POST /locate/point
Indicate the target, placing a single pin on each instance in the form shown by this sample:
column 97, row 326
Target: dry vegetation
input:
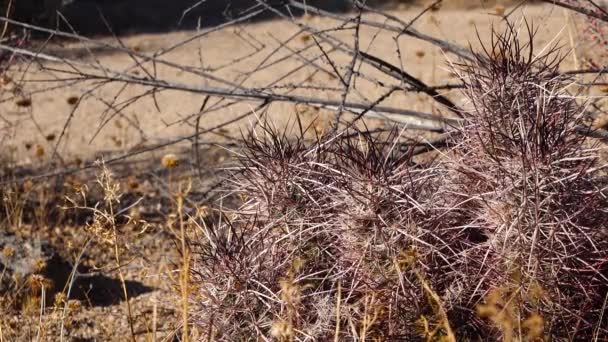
column 319, row 188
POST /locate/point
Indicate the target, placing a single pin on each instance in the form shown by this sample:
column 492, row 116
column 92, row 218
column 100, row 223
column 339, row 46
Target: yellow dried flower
column 37, row 282
column 59, row 300
column 499, row 9
column 534, row 326
column 8, row 251
column 281, row 330
column 170, row 161
column 407, row 259
column 74, row 305
column 39, row 265
column 290, row 292
column 305, row 38
column 39, row 151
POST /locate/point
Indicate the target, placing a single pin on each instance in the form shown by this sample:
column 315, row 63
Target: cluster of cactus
column 502, row 235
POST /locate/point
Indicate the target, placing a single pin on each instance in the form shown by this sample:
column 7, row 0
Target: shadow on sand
column 96, row 17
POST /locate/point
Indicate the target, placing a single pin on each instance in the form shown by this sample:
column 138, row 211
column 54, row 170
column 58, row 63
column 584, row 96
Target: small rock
column 21, row 259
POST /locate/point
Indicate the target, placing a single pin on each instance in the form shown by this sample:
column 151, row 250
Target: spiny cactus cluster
column 501, row 236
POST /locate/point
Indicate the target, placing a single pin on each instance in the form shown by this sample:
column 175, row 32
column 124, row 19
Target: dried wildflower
column 74, row 305
column 420, row 53
column 110, row 188
column 170, row 161
column 39, row 152
column 305, row 38
column 8, row 251
column 60, row 299
column 202, row 212
column 290, row 292
column 534, row 326
column 39, row 265
column 407, row 259
column 499, row 10
column 281, row 330
column 36, row 282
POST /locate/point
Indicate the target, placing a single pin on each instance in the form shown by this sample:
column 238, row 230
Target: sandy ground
column 93, row 130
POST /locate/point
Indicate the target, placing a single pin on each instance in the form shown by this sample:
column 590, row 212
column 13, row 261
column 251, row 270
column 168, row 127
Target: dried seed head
column 39, row 265
column 290, row 292
column 8, row 251
column 305, row 38
column 37, row 282
column 39, row 151
column 74, row 305
column 534, row 325
column 170, row 161
column 59, row 299
column 499, row 9
column 281, row 330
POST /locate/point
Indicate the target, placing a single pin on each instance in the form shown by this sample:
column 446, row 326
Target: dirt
column 150, row 255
